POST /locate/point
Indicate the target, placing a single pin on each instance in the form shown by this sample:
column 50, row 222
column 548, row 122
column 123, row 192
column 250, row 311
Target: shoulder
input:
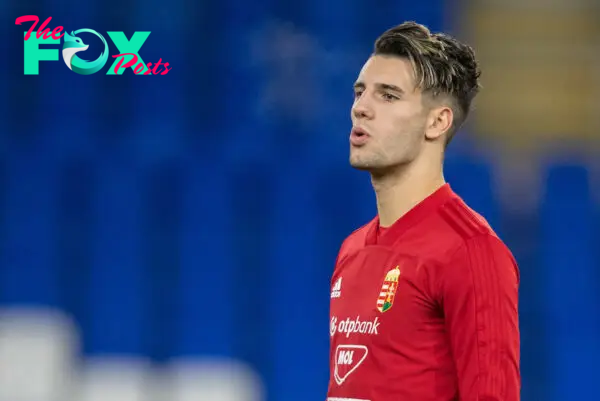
column 484, row 251
column 478, row 251
column 464, row 222
column 447, row 231
column 465, row 240
column 471, row 229
column 456, row 225
column 354, row 241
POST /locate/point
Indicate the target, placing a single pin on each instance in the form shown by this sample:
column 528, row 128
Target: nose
column 361, row 108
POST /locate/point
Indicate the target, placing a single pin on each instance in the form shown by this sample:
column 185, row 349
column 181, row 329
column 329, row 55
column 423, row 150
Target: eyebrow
column 361, row 85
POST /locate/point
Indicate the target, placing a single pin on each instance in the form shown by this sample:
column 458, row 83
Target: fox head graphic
column 73, row 44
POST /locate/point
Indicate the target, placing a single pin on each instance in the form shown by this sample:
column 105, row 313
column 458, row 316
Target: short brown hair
column 443, row 66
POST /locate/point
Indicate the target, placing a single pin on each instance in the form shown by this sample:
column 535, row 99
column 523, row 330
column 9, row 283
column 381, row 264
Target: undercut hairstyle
column 444, row 68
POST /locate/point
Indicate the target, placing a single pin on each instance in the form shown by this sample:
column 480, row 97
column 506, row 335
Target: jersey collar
column 419, row 212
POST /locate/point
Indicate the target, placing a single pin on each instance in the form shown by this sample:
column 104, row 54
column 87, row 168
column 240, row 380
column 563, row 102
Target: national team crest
column 388, row 290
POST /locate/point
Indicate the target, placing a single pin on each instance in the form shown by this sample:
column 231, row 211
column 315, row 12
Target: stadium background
column 172, row 237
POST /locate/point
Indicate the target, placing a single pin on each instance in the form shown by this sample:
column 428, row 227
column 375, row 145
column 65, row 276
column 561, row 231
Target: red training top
column 425, row 310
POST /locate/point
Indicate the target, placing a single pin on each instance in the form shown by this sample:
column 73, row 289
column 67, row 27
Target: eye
column 357, row 93
column 388, row 97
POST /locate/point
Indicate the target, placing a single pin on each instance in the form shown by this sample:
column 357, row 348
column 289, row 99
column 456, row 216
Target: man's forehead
column 387, row 69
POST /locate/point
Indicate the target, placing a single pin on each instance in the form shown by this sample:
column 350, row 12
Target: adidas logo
column 336, row 291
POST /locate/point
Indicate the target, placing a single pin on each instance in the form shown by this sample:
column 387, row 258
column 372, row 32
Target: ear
column 439, row 121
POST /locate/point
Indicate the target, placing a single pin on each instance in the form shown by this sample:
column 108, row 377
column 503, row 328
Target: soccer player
column 423, row 297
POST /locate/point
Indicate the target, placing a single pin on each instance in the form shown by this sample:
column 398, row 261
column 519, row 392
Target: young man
column 424, row 297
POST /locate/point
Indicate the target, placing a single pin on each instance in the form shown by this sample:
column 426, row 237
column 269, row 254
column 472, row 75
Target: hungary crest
column 388, row 290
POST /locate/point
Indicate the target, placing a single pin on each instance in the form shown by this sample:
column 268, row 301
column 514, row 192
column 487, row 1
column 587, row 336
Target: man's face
column 390, row 111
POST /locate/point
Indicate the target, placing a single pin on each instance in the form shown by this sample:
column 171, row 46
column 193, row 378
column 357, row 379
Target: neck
column 401, row 189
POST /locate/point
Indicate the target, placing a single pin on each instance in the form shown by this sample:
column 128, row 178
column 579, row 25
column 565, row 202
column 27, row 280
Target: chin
column 361, row 167
column 361, row 164
column 374, row 167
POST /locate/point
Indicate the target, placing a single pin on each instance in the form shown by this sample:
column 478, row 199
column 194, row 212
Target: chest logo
column 388, row 290
column 336, row 291
column 347, row 359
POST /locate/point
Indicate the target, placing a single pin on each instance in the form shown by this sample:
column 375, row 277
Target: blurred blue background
column 174, row 236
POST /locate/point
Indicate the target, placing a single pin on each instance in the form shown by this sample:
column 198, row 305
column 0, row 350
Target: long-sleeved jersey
column 425, row 310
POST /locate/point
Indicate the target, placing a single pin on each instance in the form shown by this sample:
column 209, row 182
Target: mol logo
column 128, row 56
column 347, row 359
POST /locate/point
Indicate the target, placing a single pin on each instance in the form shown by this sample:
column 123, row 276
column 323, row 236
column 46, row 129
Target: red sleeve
column 480, row 303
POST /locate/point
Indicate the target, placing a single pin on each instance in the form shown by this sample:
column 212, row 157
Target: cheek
column 400, row 127
column 410, row 121
column 404, row 132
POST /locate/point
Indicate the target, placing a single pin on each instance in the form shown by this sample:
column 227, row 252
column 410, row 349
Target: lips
column 358, row 136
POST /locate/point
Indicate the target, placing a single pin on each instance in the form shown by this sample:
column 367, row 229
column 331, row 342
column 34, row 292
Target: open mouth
column 359, row 132
column 358, row 136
